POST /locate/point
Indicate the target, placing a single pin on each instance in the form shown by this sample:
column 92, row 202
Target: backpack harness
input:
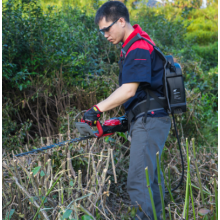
column 174, row 91
column 174, row 101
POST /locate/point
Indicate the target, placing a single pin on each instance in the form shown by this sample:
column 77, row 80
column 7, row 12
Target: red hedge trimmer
column 109, row 127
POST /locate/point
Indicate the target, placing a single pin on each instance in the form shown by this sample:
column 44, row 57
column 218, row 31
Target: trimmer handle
column 100, row 130
column 110, row 126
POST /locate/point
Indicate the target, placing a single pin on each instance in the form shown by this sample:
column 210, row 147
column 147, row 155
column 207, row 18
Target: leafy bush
column 55, row 59
column 202, row 25
column 209, row 53
column 14, row 134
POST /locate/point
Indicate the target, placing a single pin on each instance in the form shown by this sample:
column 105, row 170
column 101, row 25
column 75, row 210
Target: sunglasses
column 107, row 28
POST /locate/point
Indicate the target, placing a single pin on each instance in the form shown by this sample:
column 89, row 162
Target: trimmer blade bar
column 84, row 129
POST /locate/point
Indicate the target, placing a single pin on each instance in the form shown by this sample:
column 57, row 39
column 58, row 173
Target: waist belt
column 145, row 106
column 140, row 108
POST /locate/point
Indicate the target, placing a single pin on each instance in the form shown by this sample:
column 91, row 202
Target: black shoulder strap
column 134, row 39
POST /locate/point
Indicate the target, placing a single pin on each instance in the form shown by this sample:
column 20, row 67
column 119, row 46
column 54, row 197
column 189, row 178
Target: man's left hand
column 92, row 115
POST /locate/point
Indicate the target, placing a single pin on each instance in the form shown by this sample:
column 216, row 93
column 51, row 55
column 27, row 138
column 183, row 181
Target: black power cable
column 177, row 136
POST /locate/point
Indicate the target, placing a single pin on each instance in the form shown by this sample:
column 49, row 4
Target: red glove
column 92, row 115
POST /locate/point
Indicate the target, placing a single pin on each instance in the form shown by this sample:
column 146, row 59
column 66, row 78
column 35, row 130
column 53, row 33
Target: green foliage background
column 52, row 49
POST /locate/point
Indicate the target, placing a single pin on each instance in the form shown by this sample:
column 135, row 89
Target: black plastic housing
column 176, row 89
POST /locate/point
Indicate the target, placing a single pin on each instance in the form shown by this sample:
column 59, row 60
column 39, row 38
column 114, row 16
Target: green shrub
column 13, row 132
column 56, row 56
column 209, row 53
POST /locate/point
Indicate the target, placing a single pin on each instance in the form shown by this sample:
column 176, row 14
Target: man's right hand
column 92, row 115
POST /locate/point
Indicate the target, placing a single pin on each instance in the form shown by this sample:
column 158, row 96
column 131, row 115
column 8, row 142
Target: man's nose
column 106, row 35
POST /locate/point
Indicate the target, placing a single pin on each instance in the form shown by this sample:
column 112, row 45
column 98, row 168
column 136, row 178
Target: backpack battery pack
column 175, row 87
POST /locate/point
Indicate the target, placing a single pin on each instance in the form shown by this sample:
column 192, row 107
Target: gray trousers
column 146, row 140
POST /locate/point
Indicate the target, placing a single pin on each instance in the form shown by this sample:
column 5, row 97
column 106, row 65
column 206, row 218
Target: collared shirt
column 142, row 65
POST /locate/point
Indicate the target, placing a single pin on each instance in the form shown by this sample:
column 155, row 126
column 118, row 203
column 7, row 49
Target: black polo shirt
column 142, row 65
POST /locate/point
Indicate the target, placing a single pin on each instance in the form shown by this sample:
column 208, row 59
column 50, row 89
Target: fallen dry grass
column 52, row 184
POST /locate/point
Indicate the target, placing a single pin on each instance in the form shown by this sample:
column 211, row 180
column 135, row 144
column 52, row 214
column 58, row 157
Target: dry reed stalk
column 95, row 170
column 33, row 183
column 3, row 187
column 22, row 159
column 39, row 192
column 110, row 212
column 36, row 181
column 29, row 196
column 62, row 196
column 103, row 176
column 107, row 179
column 49, row 167
column 63, row 152
column 69, row 163
column 101, row 155
column 51, row 142
column 19, row 178
column 49, row 173
column 13, row 155
column 106, row 217
column 60, row 137
column 101, row 203
column 20, row 150
column 83, row 191
column 90, row 151
column 12, row 197
column 86, row 211
column 108, row 159
column 4, row 164
column 38, row 173
column 99, row 166
column 59, row 192
column 42, row 183
column 6, row 198
column 113, row 166
column 216, row 197
column 106, row 193
column 98, row 184
column 69, row 188
column 41, row 141
column 44, row 178
column 92, row 181
column 26, row 146
column 79, row 188
column 79, row 145
column 45, row 161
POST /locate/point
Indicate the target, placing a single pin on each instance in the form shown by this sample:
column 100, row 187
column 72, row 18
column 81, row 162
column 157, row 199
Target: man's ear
column 122, row 22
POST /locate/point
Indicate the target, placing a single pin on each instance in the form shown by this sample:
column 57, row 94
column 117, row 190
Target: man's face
column 115, row 32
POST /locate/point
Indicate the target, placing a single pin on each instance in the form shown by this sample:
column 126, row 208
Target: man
column 141, row 68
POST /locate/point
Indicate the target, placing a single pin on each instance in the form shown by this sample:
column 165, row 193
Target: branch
column 30, row 197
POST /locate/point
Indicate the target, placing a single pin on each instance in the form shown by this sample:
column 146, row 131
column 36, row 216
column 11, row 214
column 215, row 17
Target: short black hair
column 112, row 10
